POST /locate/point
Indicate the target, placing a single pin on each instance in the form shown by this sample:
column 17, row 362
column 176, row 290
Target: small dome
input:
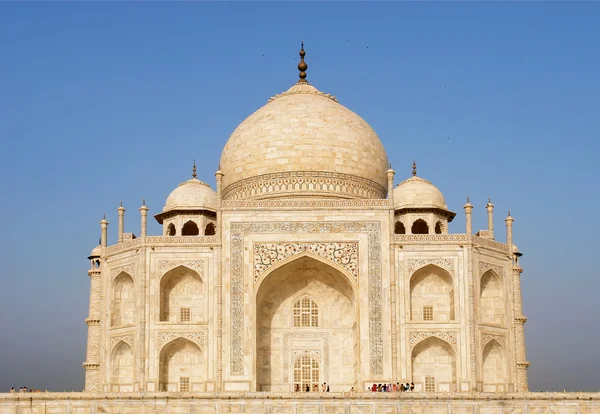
column 192, row 195
column 418, row 193
column 96, row 252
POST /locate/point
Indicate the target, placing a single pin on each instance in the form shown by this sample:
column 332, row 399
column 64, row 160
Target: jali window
column 306, row 313
column 429, row 384
column 306, row 373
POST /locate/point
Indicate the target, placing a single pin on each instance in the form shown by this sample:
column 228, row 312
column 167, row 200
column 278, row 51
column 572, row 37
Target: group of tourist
column 23, row 389
column 315, row 388
column 397, row 387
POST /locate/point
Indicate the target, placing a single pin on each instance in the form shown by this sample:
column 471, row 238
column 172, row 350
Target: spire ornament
column 414, row 172
column 194, row 170
column 302, row 66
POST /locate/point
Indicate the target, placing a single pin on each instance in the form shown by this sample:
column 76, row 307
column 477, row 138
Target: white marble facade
column 305, row 266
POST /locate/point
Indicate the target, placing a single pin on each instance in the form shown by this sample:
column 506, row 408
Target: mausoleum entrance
column 306, row 327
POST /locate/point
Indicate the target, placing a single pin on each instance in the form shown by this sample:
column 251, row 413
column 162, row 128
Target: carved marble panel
column 486, row 338
column 166, row 265
column 414, row 337
column 114, row 340
column 288, row 337
column 129, row 269
column 196, row 337
column 416, row 264
column 484, row 267
column 342, row 254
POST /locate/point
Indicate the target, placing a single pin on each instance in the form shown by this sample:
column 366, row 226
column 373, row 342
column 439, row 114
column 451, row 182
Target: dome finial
column 194, row 170
column 302, row 66
column 414, row 168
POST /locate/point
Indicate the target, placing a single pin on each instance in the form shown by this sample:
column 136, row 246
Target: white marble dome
column 304, row 143
column 192, row 195
column 417, row 192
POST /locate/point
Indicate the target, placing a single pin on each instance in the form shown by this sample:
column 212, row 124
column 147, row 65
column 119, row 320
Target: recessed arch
column 306, row 373
column 190, row 228
column 305, row 312
column 419, row 226
column 494, row 367
column 433, row 364
column 210, row 230
column 170, row 230
column 181, row 296
column 122, row 367
column 122, row 307
column 491, row 299
column 439, row 227
column 182, row 366
column 432, row 294
column 305, row 276
column 399, row 228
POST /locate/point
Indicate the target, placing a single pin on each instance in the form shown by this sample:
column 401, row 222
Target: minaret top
column 414, row 172
column 194, row 170
column 302, row 66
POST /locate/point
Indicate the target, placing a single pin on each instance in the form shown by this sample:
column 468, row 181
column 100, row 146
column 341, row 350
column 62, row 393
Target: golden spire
column 194, row 170
column 414, row 168
column 302, row 66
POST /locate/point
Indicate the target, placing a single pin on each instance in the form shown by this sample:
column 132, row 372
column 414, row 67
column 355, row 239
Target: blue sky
column 102, row 102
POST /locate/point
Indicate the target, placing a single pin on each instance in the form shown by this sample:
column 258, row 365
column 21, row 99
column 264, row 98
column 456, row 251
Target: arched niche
column 420, row 226
column 306, row 373
column 332, row 294
column 122, row 306
column 170, row 230
column 494, row 367
column 181, row 296
column 190, row 229
column 439, row 227
column 181, row 367
column 433, row 365
column 209, row 230
column 399, row 228
column 122, row 368
column 491, row 299
column 432, row 295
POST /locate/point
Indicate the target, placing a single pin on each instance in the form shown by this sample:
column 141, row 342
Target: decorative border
column 114, row 340
column 129, row 269
column 315, row 353
column 166, row 265
column 373, row 230
column 487, row 338
column 416, row 337
column 268, row 254
column 299, row 183
column 299, row 203
column 166, row 337
column 416, row 264
column 430, row 238
column 288, row 336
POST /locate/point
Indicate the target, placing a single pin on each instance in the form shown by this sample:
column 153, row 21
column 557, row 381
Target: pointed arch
column 432, row 294
column 182, row 366
column 122, row 307
column 122, row 367
column 433, row 364
column 190, row 228
column 306, row 372
column 492, row 305
column 494, row 367
column 181, row 296
column 399, row 228
column 419, row 226
column 305, row 312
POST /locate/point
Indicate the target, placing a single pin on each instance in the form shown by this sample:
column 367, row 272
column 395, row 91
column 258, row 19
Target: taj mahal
column 312, row 262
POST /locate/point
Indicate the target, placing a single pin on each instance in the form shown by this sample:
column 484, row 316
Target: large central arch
column 306, row 307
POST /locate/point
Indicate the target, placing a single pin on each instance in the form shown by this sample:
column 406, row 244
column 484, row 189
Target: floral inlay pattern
column 343, row 254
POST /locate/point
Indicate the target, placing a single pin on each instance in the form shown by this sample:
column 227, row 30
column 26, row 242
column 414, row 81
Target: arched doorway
column 122, row 368
column 182, row 367
column 433, row 365
column 494, row 368
column 431, row 295
column 181, row 296
column 306, row 308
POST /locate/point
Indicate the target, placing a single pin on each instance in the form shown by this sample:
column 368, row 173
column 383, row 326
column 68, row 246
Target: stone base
column 318, row 403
